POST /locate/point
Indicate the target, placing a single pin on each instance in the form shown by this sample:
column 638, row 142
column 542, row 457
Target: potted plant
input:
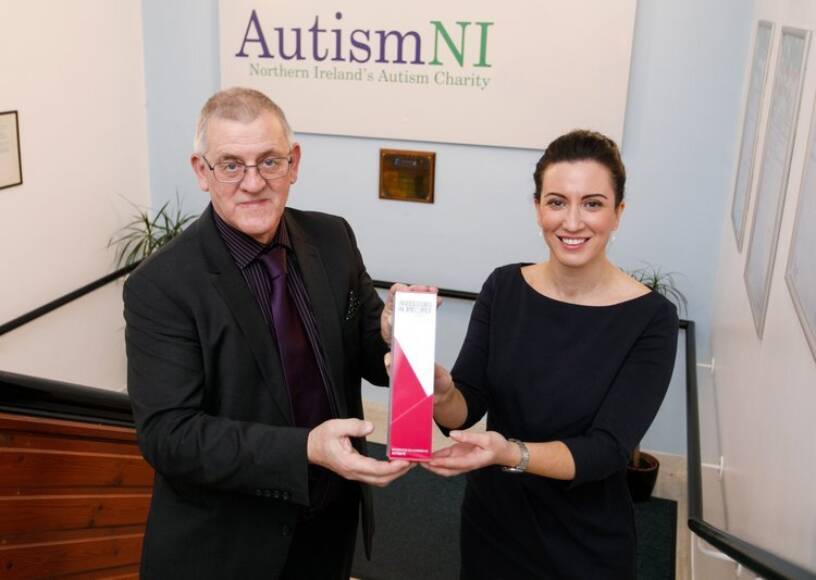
column 642, row 469
column 145, row 234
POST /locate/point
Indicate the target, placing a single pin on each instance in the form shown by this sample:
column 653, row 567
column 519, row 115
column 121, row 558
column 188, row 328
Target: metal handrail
column 62, row 300
column 444, row 292
column 761, row 561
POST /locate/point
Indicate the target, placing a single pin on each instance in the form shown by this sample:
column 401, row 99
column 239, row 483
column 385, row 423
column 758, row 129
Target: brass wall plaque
column 407, row 175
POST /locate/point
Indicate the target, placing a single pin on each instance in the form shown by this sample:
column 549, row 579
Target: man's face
column 254, row 205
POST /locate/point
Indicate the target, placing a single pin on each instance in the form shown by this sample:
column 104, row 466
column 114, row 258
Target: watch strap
column 521, row 467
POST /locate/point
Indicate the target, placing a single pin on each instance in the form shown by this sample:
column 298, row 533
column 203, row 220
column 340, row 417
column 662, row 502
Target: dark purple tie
column 310, row 402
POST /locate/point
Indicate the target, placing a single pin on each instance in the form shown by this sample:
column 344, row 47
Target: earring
column 612, row 238
column 540, row 234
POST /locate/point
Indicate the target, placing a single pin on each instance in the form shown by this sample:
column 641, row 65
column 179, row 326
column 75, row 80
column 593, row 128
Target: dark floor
column 432, row 553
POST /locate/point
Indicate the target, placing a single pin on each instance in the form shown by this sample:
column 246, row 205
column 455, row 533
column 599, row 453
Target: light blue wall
column 680, row 140
column 679, row 145
column 181, row 72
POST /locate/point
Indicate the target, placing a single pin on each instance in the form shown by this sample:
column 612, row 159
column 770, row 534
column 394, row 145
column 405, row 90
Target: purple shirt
column 245, row 252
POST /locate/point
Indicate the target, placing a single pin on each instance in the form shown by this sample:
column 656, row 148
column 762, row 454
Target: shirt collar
column 243, row 248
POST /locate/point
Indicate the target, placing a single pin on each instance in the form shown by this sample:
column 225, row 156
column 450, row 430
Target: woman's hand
column 387, row 316
column 443, row 385
column 473, row 451
column 443, row 382
column 449, row 407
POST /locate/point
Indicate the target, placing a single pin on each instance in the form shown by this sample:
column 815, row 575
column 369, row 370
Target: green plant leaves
column 661, row 282
column 144, row 235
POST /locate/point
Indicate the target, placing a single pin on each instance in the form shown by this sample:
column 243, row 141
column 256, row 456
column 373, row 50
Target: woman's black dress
column 592, row 377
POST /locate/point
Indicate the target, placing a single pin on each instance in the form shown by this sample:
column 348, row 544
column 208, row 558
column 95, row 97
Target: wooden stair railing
column 74, row 498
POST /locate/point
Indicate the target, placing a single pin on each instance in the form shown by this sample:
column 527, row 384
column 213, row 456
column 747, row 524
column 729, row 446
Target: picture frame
column 750, row 128
column 800, row 273
column 11, row 166
column 775, row 170
column 407, row 175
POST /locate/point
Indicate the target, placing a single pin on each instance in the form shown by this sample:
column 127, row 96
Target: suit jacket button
column 276, row 494
column 286, row 496
column 286, row 530
column 267, row 493
column 258, row 492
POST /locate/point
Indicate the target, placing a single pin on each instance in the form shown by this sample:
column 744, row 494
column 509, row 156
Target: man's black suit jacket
column 211, row 408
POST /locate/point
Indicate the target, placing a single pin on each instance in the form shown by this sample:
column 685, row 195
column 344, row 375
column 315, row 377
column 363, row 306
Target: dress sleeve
column 470, row 371
column 631, row 403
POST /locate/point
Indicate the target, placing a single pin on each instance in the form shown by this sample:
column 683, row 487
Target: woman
column 570, row 358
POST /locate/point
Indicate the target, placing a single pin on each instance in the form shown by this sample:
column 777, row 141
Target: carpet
column 417, row 530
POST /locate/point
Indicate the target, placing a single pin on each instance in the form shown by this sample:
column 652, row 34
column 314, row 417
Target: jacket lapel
column 230, row 284
column 324, row 307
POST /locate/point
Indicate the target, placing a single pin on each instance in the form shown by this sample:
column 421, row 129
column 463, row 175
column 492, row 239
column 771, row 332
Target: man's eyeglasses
column 233, row 171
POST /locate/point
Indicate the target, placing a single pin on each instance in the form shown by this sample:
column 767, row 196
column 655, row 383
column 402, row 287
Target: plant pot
column 642, row 477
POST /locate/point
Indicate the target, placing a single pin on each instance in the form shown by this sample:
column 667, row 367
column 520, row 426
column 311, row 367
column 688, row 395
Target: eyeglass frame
column 288, row 158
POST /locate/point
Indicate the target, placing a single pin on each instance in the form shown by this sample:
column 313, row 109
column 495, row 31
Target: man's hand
column 387, row 316
column 329, row 445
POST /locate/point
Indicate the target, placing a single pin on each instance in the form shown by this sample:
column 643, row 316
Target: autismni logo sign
column 460, row 45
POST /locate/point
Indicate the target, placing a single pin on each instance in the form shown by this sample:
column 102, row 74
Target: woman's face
column 576, row 211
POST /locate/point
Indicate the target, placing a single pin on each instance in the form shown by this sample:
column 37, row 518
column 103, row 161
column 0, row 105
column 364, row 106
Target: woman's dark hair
column 583, row 145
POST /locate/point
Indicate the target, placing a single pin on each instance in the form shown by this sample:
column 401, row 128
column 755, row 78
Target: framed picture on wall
column 775, row 169
column 750, row 128
column 800, row 274
column 11, row 167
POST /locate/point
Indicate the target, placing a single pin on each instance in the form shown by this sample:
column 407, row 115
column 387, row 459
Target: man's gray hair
column 237, row 104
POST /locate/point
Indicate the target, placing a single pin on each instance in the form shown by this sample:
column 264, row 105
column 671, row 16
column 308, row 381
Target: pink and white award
column 412, row 372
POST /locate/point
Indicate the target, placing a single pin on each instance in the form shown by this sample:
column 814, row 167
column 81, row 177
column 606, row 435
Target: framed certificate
column 774, row 170
column 11, row 167
column 750, row 129
column 801, row 271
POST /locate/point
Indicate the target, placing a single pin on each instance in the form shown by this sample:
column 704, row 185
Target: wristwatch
column 525, row 458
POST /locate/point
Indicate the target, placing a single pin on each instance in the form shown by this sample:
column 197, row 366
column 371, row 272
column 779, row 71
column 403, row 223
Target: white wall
column 82, row 342
column 74, row 71
column 766, row 389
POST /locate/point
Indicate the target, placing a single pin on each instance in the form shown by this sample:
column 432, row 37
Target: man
column 246, row 340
